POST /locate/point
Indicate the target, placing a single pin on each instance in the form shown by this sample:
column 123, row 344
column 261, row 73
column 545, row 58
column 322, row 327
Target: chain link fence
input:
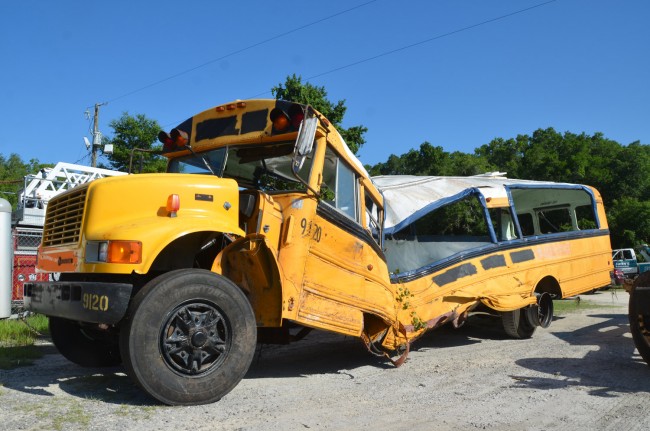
column 25, row 245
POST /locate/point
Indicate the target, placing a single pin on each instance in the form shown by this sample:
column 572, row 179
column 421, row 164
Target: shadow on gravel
column 612, row 368
column 109, row 385
column 318, row 353
column 323, row 352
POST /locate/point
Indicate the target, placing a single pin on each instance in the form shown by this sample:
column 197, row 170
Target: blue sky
column 455, row 73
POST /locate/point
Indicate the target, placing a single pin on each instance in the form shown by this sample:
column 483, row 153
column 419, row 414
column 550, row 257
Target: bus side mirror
column 304, row 142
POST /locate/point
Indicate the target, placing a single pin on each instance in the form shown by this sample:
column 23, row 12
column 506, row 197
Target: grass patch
column 567, row 306
column 16, row 332
column 17, row 338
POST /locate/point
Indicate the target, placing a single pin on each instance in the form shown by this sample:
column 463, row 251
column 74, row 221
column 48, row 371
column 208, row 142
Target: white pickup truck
column 626, row 260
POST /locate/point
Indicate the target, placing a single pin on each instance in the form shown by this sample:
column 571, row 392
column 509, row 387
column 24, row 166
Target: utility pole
column 96, row 135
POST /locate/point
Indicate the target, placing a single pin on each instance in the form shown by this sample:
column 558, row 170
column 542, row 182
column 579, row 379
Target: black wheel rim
column 196, row 338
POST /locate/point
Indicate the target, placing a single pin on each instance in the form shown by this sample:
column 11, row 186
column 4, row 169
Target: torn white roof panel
column 409, row 197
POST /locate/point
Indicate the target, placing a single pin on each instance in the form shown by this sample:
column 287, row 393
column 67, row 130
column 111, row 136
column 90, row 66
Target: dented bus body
column 266, row 226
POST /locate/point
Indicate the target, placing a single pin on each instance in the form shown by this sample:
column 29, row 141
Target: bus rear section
column 460, row 244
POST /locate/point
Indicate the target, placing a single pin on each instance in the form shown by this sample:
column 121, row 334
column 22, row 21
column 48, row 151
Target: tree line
column 620, row 172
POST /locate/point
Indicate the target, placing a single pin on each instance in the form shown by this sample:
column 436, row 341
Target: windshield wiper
column 205, row 162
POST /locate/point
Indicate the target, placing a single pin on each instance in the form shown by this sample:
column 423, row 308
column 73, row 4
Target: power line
column 440, row 36
column 278, row 36
column 403, row 48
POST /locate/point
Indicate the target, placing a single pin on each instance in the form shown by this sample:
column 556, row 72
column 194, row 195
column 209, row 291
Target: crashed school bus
column 265, row 226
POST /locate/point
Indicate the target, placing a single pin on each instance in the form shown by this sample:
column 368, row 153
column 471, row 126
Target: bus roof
column 409, row 197
column 249, row 122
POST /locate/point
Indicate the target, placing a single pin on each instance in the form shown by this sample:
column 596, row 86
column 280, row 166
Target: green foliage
column 12, row 173
column 620, row 173
column 135, row 132
column 295, row 91
column 629, row 220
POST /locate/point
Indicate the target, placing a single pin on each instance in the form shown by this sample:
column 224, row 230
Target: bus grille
column 63, row 218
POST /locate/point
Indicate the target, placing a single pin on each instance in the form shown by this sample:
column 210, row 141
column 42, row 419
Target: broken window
column 585, row 217
column 373, row 218
column 441, row 233
column 503, row 224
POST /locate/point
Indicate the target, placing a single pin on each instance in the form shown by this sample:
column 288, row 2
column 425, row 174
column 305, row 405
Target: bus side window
column 373, row 218
column 502, row 223
column 340, row 185
column 526, row 224
column 585, row 217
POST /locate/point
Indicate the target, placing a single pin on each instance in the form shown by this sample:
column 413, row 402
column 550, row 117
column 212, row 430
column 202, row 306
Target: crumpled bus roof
column 409, row 197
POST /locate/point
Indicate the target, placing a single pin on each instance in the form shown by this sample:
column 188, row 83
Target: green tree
column 629, row 222
column 618, row 172
column 432, row 160
column 295, row 91
column 131, row 133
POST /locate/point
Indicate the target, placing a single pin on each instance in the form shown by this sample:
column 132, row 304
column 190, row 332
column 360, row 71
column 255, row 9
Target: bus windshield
column 263, row 167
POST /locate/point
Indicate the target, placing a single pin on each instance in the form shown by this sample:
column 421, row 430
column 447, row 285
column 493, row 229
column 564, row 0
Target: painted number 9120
column 92, row 301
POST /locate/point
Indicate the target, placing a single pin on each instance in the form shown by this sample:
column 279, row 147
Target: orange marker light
column 173, row 204
column 124, row 252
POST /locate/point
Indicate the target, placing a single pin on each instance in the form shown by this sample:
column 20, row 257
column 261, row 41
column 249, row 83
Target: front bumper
column 92, row 302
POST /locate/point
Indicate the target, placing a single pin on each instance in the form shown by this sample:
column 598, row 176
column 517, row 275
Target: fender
column 134, row 208
column 251, row 263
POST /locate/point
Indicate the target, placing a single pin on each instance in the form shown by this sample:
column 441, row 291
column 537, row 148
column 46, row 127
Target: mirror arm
column 299, row 178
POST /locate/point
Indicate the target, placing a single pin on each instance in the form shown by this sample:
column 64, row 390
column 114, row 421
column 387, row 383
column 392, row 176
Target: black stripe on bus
column 522, row 256
column 454, row 274
column 215, row 127
column 254, row 121
column 496, row 261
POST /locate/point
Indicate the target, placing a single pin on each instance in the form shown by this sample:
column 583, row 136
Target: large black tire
column 83, row 345
column 189, row 337
column 640, row 318
column 516, row 324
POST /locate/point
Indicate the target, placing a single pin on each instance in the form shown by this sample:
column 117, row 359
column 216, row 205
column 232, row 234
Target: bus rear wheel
column 516, row 324
column 189, row 338
column 83, row 345
column 639, row 315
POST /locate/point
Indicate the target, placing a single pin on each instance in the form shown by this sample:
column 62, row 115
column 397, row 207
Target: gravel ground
column 581, row 373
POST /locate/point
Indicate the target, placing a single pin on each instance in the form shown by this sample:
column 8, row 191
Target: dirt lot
column 581, row 373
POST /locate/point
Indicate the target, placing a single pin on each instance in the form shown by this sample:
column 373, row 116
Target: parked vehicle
column 626, row 260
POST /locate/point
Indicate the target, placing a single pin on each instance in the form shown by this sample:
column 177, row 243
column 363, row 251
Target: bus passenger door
column 344, row 262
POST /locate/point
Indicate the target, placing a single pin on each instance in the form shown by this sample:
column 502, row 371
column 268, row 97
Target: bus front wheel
column 189, row 337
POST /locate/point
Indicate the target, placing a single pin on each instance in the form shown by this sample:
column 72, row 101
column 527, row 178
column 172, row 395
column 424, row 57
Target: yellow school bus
column 265, row 226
